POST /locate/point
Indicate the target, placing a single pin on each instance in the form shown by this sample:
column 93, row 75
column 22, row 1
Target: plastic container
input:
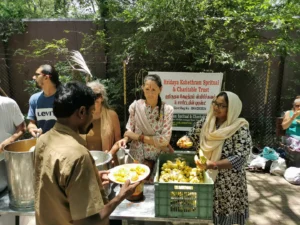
column 183, row 200
column 138, row 193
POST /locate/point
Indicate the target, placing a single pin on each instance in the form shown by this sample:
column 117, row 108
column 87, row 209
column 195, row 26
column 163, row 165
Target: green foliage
column 199, row 33
column 41, row 49
column 93, row 43
column 114, row 89
column 236, row 36
column 57, row 8
column 31, row 87
column 10, row 20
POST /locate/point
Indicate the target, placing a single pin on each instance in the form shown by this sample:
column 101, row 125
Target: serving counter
column 126, row 211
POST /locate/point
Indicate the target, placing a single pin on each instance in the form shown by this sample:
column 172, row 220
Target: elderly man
column 68, row 188
column 12, row 125
column 40, row 111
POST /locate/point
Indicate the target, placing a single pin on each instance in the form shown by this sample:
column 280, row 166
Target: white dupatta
column 212, row 139
column 141, row 121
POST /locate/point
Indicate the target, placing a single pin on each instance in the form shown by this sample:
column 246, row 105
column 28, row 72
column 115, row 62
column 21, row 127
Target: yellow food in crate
column 179, row 171
column 133, row 174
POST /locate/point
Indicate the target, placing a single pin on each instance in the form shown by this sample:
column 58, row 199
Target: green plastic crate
column 183, row 200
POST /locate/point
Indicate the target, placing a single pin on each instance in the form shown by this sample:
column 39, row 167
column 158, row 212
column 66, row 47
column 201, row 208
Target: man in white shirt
column 12, row 125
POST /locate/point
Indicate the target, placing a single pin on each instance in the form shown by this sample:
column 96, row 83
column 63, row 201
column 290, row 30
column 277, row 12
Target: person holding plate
column 225, row 141
column 149, row 127
column 68, row 186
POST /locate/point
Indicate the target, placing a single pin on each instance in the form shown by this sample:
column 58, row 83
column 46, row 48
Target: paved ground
column 273, row 201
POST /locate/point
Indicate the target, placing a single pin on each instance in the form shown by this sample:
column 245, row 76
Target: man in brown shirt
column 68, row 189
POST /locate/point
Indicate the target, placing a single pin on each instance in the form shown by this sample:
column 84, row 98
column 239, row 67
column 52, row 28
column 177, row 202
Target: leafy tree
column 10, row 23
column 207, row 35
column 211, row 30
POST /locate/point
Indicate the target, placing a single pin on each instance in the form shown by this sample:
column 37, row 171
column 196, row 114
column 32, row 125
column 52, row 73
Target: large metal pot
column 3, row 173
column 102, row 161
column 20, row 171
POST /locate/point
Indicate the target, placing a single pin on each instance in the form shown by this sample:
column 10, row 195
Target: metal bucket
column 20, row 172
column 102, row 161
column 3, row 173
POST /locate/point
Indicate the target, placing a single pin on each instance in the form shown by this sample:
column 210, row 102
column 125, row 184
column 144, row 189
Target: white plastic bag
column 292, row 175
column 251, row 157
column 278, row 167
column 258, row 162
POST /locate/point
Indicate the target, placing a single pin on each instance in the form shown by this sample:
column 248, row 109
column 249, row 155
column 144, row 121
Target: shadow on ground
column 273, row 201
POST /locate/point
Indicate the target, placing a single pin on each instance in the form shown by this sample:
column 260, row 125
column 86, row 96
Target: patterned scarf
column 138, row 110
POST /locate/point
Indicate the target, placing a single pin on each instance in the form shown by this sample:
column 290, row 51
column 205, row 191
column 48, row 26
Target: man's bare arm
column 20, row 129
column 100, row 218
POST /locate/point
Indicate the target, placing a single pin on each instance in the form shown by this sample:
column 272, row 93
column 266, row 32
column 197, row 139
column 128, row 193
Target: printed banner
column 190, row 94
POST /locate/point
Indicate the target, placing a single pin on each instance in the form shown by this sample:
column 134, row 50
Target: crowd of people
column 72, row 118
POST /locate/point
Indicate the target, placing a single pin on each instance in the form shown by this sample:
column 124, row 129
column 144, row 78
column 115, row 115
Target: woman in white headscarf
column 224, row 139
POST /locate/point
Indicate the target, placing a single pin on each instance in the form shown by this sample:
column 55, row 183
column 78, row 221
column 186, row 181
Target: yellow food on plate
column 121, row 179
column 133, row 173
column 134, row 177
column 139, row 170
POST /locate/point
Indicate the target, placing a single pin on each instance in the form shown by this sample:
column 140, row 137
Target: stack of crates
column 183, row 200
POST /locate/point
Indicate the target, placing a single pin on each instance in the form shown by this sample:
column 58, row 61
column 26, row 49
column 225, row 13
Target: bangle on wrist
column 141, row 138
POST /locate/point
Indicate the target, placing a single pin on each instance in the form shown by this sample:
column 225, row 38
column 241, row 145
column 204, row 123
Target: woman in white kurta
column 150, row 124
